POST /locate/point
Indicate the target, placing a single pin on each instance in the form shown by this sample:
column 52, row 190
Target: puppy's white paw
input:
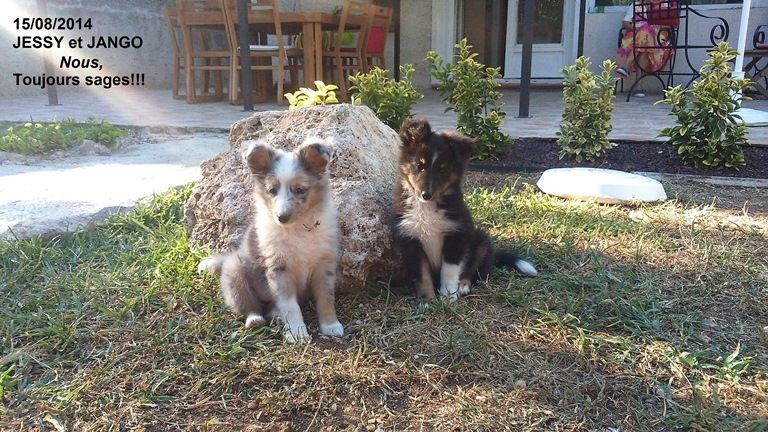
column 295, row 335
column 464, row 288
column 332, row 329
column 206, row 265
column 449, row 291
column 254, row 320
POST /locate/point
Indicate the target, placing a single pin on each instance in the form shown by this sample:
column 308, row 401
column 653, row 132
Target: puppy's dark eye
column 272, row 191
column 420, row 165
column 299, row 190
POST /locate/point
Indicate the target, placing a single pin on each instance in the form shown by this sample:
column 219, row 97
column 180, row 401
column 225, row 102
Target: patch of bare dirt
column 528, row 157
column 537, row 154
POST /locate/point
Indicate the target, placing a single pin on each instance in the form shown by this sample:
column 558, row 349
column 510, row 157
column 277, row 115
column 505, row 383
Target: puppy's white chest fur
column 425, row 222
column 303, row 244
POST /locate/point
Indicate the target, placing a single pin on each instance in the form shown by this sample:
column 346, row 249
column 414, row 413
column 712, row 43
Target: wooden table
column 754, row 72
column 310, row 24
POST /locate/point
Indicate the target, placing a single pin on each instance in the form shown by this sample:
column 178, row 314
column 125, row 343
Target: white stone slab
column 600, row 185
column 753, row 117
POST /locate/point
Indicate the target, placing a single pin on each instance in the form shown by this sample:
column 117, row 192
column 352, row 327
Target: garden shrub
column 102, row 132
column 470, row 89
column 391, row 99
column 38, row 138
column 306, row 97
column 587, row 110
column 708, row 131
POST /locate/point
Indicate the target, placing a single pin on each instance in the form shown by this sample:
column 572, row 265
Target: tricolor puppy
column 292, row 246
column 441, row 249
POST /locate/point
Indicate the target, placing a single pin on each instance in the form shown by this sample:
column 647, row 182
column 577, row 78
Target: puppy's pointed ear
column 414, row 131
column 258, row 156
column 314, row 155
column 462, row 145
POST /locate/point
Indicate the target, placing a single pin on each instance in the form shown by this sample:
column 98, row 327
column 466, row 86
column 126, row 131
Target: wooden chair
column 174, row 31
column 347, row 59
column 380, row 20
column 172, row 23
column 207, row 18
column 272, row 45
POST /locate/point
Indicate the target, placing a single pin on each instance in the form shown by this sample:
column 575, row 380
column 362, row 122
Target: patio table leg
column 243, row 38
column 312, row 40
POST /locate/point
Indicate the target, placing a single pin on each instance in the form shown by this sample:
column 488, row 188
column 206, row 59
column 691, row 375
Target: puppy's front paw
column 254, row 320
column 295, row 335
column 206, row 265
column 449, row 291
column 464, row 287
column 332, row 329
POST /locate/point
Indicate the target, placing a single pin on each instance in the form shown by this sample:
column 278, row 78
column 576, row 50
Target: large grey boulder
column 362, row 169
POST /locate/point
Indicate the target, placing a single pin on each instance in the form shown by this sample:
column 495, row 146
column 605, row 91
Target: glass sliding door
column 554, row 37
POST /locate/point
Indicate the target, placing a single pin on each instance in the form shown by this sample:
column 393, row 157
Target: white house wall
column 601, row 36
column 109, row 17
column 144, row 17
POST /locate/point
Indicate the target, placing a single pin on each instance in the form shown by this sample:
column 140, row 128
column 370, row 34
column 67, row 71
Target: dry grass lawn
column 644, row 318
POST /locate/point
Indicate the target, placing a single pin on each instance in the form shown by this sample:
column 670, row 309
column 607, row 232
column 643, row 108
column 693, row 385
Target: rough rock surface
column 362, row 170
column 88, row 147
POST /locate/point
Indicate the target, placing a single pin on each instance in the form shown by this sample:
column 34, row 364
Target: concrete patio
column 53, row 195
column 640, row 119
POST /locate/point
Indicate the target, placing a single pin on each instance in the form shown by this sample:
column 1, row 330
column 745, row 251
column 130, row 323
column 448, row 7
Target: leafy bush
column 469, row 88
column 305, row 97
column 391, row 100
column 102, row 132
column 708, row 131
column 587, row 110
column 38, row 138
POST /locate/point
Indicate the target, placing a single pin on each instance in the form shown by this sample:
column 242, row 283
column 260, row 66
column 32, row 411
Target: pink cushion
column 376, row 41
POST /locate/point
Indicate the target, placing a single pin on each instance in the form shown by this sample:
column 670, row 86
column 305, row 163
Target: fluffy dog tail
column 510, row 260
column 211, row 265
column 243, row 287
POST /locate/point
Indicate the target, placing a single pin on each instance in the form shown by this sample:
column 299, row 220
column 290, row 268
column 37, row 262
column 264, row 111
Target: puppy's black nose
column 283, row 218
column 426, row 196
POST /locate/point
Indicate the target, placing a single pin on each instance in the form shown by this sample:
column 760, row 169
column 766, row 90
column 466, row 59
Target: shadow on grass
column 633, row 325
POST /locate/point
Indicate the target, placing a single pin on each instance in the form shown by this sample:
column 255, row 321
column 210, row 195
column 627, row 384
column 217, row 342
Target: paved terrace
column 63, row 194
column 639, row 119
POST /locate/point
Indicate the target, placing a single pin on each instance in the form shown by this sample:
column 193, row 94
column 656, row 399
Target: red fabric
column 663, row 14
column 645, row 41
column 376, row 41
